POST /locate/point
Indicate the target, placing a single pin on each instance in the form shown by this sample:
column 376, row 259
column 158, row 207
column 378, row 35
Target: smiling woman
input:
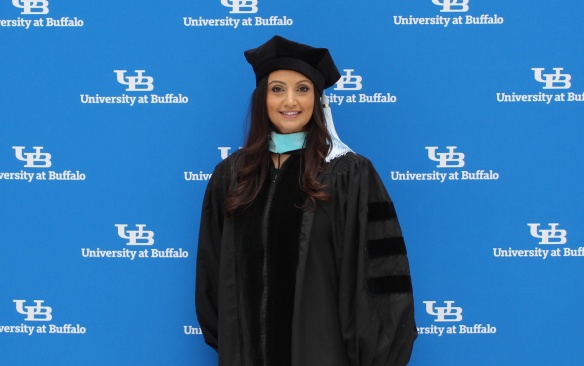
column 301, row 260
column 290, row 101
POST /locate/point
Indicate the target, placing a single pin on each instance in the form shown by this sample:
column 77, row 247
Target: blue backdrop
column 114, row 115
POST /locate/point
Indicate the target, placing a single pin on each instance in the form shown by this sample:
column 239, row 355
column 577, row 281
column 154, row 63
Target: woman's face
column 290, row 100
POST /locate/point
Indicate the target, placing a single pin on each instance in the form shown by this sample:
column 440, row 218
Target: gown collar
column 284, row 143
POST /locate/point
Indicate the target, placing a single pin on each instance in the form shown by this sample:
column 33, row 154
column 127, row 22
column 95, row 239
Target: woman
column 301, row 261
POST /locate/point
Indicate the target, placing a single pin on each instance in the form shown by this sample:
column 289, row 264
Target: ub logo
column 446, row 313
column 551, row 236
column 556, row 80
column 32, row 6
column 224, row 152
column 136, row 237
column 349, row 81
column 135, row 83
column 448, row 159
column 37, row 313
column 35, row 159
column 452, row 6
column 241, row 6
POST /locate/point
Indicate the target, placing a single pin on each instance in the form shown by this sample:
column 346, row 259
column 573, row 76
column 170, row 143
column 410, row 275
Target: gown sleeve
column 376, row 306
column 209, row 254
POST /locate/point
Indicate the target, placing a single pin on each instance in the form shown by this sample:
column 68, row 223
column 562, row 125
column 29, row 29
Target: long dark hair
column 251, row 168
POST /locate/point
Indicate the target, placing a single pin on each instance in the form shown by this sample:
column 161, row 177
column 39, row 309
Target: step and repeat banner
column 114, row 114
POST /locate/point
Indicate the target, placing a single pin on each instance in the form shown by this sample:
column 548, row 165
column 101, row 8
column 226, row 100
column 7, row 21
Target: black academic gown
column 343, row 297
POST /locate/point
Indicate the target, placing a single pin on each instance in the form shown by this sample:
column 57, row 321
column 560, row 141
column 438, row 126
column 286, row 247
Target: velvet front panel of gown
column 267, row 235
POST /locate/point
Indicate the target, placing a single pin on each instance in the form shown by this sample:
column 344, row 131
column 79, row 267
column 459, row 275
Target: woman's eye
column 277, row 89
column 303, row 88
